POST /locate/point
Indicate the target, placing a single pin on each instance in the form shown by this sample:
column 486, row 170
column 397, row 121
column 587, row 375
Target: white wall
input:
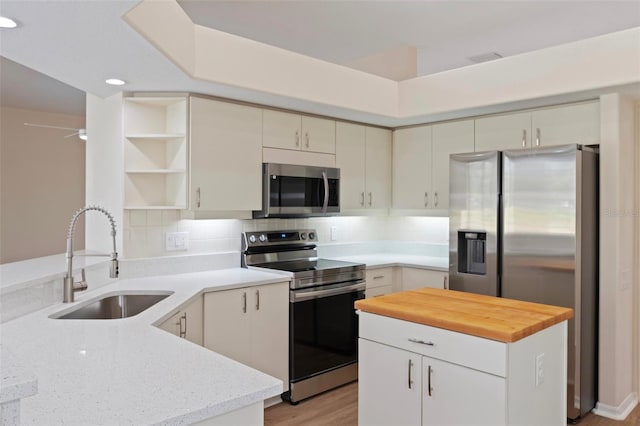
column 617, row 177
column 105, row 170
column 42, row 183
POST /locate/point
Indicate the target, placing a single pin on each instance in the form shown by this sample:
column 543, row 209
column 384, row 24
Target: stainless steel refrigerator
column 524, row 225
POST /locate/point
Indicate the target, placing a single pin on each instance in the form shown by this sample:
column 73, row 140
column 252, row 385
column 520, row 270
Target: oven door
column 323, row 329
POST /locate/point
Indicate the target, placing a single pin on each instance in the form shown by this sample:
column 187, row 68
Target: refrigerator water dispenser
column 472, row 252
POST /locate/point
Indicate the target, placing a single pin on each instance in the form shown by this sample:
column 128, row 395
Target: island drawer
column 470, row 351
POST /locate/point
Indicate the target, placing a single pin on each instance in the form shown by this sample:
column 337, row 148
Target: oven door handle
column 325, row 204
column 301, row 296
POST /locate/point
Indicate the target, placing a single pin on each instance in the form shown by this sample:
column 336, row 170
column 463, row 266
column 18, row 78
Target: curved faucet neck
column 113, row 271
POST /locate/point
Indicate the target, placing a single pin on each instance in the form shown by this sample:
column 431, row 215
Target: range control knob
column 262, row 238
column 312, row 235
column 252, row 238
column 303, row 236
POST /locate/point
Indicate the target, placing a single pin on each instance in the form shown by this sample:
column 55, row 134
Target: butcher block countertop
column 495, row 318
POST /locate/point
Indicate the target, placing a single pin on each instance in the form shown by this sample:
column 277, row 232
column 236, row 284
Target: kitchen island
column 442, row 357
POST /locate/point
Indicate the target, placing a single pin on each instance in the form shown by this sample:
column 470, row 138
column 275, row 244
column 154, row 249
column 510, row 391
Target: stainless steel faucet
column 70, row 287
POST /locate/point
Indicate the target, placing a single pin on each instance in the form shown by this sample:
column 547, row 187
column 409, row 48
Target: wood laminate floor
column 340, row 407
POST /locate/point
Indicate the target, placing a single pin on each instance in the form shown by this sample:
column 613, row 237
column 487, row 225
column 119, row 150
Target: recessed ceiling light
column 115, row 81
column 7, row 22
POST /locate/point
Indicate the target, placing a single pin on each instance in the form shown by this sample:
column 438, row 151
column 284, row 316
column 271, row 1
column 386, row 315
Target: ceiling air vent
column 485, row 57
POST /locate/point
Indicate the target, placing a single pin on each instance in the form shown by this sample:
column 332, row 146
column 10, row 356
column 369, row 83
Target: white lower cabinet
column 187, row 323
column 251, row 326
column 388, row 377
column 424, row 390
column 379, row 282
column 413, row 278
column 456, row 395
column 414, row 374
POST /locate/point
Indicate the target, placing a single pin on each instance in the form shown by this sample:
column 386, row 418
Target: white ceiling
column 446, row 33
column 81, row 43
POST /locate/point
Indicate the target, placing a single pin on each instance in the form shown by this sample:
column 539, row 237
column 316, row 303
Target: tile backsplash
column 145, row 231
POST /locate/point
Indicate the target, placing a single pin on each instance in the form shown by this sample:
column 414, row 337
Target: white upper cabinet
column 577, row 123
column 284, row 130
column 378, row 168
column 447, row 139
column 363, row 155
column 421, row 163
column 155, row 152
column 510, row 131
column 318, row 135
column 226, row 156
column 411, row 167
column 350, row 159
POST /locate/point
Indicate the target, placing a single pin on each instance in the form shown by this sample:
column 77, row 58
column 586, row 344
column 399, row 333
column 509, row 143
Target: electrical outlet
column 540, row 369
column 334, row 233
column 177, row 241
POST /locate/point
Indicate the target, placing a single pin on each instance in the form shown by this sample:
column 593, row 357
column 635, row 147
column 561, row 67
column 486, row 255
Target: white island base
column 415, row 374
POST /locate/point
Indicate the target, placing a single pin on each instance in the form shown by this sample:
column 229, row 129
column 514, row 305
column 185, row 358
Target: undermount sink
column 115, row 306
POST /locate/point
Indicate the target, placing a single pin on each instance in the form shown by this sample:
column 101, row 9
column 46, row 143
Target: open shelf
column 155, row 152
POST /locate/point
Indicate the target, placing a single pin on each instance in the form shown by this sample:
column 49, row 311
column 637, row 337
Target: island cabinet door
column 457, row 396
column 389, row 385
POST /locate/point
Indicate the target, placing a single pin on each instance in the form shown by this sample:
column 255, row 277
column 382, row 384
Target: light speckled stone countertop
column 382, row 260
column 16, row 381
column 127, row 371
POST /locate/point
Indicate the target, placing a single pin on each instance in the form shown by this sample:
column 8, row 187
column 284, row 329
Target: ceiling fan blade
column 51, row 127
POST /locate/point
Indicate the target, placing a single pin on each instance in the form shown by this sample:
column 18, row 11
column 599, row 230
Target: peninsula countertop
column 127, row 371
column 494, row 318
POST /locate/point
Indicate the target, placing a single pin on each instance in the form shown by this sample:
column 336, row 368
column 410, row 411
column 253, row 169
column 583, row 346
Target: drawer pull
column 183, row 334
column 422, row 342
column 377, row 277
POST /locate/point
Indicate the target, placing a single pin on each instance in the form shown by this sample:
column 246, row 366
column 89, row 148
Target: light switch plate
column 176, row 241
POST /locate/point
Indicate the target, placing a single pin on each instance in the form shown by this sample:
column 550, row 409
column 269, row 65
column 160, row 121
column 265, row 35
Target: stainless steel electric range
column 323, row 325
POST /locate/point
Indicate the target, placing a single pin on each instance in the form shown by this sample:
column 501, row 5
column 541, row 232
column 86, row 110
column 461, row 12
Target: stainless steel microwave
column 299, row 191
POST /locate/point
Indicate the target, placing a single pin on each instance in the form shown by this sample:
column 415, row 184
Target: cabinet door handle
column 183, row 332
column 426, row 199
column 370, row 199
column 429, row 388
column 244, row 302
column 435, row 201
column 257, row 300
column 409, row 381
column 538, row 136
column 445, row 283
column 198, row 197
column 524, row 138
column 422, row 342
column 307, row 136
column 362, row 198
column 297, row 137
